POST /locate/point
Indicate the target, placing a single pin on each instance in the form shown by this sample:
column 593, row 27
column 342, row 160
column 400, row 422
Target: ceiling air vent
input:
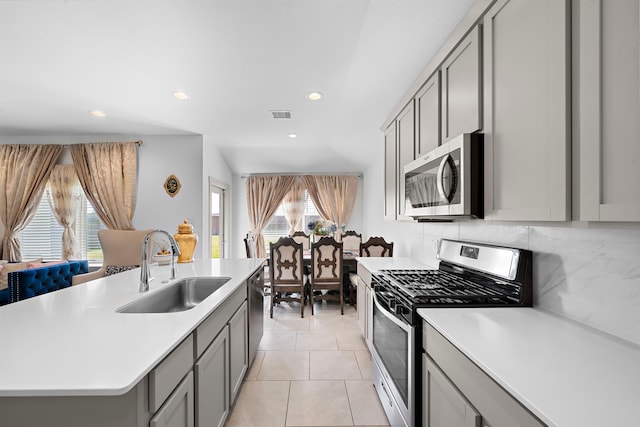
column 281, row 114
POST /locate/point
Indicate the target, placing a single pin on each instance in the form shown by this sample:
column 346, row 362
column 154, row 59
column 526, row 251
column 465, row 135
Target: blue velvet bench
column 36, row 281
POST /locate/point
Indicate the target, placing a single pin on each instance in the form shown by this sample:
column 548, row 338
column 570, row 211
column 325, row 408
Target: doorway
column 217, row 214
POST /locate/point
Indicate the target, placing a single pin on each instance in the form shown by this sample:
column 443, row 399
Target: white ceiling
column 236, row 59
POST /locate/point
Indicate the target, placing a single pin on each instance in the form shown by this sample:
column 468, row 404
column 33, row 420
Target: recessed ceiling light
column 180, row 95
column 293, row 135
column 97, row 113
column 314, row 96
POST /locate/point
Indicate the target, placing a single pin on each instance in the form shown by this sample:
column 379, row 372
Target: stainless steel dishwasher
column 255, row 299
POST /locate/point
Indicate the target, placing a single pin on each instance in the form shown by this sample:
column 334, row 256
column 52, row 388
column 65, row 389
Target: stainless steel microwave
column 446, row 183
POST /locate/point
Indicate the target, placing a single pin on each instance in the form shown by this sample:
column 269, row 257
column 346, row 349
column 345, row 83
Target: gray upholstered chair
column 121, row 250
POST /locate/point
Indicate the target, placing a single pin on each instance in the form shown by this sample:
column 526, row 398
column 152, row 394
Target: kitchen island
column 70, row 352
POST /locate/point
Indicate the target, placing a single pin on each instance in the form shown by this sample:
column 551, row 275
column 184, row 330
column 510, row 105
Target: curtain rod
column 138, row 143
column 358, row 174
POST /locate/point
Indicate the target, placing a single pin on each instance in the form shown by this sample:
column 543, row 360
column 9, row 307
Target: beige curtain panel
column 264, row 195
column 24, row 171
column 108, row 172
column 333, row 195
column 64, row 194
column 293, row 204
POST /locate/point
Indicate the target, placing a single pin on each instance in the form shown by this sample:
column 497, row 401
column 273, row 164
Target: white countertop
column 72, row 342
column 373, row 264
column 565, row 373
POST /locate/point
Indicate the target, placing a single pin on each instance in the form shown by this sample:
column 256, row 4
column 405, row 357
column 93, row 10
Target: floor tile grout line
column 346, row 391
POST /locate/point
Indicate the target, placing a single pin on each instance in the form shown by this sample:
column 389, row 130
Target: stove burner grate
column 442, row 287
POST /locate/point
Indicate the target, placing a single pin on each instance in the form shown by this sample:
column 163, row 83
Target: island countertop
column 72, row 342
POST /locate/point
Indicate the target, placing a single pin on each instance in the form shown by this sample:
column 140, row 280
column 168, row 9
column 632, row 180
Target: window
column 42, row 238
column 278, row 226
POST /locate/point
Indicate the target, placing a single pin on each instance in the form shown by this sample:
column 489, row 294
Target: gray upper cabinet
column 461, row 88
column 399, row 146
column 390, row 173
column 406, row 143
column 427, row 105
column 608, row 105
column 527, row 110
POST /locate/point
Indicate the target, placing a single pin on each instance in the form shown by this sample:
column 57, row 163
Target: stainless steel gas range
column 469, row 275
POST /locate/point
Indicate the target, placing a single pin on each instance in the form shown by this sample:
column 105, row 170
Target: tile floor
column 314, row 371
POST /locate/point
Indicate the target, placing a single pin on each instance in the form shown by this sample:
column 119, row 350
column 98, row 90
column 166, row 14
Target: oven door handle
column 403, row 325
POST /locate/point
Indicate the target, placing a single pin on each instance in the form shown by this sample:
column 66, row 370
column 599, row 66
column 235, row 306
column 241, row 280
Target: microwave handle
column 440, row 178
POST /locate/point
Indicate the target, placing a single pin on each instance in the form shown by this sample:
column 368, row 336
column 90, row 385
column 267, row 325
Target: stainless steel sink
column 179, row 296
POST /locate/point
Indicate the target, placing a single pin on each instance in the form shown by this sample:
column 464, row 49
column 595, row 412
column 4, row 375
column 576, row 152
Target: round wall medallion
column 172, row 185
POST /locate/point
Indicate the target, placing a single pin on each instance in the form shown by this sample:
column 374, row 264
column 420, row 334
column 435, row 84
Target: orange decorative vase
column 187, row 240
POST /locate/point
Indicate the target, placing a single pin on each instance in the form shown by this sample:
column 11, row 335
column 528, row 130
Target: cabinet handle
column 387, row 393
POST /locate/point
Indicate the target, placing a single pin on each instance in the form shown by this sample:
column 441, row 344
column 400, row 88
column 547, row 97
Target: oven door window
column 391, row 343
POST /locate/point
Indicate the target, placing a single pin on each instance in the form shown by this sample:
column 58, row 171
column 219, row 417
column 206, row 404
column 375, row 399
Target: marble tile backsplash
column 589, row 273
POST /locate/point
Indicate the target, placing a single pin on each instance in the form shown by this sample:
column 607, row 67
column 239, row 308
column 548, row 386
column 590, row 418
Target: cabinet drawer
column 212, row 325
column 179, row 408
column 164, row 378
column 494, row 403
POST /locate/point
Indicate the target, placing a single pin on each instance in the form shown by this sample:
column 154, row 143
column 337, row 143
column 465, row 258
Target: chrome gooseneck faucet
column 144, row 268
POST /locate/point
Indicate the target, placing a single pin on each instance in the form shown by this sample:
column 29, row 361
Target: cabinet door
column 526, row 113
column 212, row 383
column 361, row 306
column 609, row 110
column 461, row 88
column 390, row 173
column 428, row 116
column 177, row 410
column 238, row 353
column 443, row 405
column 406, row 144
column 368, row 318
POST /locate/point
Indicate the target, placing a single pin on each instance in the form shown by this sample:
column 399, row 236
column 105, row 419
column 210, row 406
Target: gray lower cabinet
column 443, row 405
column 238, row 353
column 177, row 411
column 222, row 359
column 212, row 382
column 458, row 393
column 365, row 305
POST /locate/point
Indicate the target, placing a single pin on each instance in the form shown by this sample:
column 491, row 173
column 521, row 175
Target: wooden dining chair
column 287, row 274
column 374, row 247
column 302, row 237
column 351, row 241
column 326, row 271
